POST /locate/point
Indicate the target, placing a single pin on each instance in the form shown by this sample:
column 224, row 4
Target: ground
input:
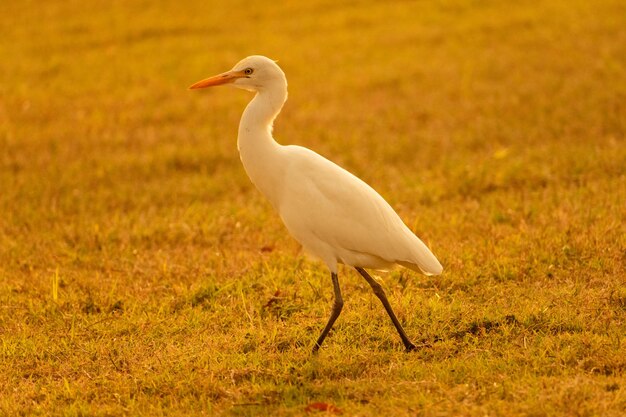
column 142, row 274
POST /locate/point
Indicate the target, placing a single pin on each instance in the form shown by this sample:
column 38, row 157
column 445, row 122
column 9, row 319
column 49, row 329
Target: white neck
column 258, row 150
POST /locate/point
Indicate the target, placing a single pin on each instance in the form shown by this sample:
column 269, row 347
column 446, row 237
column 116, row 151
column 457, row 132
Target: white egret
column 334, row 215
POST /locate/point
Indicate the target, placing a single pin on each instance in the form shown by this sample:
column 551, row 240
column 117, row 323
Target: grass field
column 142, row 274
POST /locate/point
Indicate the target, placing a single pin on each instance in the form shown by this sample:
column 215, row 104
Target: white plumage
column 334, row 215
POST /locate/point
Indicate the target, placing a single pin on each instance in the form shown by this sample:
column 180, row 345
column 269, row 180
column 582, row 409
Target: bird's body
column 336, row 217
column 339, row 218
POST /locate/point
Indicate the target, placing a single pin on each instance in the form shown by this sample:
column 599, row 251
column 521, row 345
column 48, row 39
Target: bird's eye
column 248, row 71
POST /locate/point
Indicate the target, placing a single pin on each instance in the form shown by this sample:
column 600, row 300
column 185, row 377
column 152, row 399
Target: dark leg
column 337, row 306
column 380, row 293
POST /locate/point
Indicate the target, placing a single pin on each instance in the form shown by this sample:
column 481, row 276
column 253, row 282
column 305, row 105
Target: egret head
column 254, row 73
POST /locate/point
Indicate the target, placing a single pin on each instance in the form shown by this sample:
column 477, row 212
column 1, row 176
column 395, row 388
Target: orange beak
column 224, row 78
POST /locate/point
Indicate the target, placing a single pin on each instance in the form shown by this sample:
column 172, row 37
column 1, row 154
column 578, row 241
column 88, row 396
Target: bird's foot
column 410, row 347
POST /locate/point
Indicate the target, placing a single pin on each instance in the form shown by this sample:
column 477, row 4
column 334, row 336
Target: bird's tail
column 422, row 260
column 417, row 268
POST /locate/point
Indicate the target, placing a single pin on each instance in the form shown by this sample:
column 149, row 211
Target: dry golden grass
column 142, row 274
